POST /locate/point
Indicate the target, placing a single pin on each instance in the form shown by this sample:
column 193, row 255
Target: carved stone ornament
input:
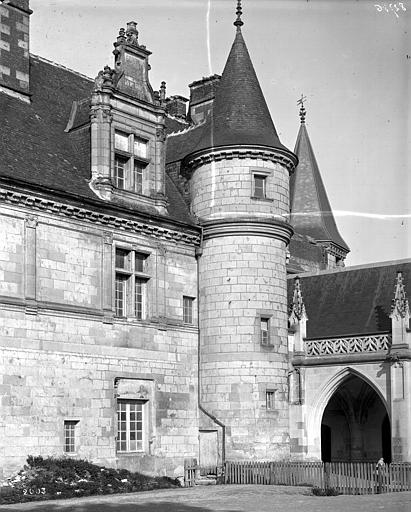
column 132, row 33
column 400, row 307
column 161, row 134
column 143, row 392
column 68, row 211
column 298, row 312
column 344, row 346
column 31, row 221
column 107, row 237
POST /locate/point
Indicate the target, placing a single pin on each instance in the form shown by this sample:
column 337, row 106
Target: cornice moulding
column 78, row 213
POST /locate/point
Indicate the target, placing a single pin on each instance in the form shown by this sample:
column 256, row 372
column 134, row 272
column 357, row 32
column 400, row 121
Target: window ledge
column 265, row 199
column 131, row 454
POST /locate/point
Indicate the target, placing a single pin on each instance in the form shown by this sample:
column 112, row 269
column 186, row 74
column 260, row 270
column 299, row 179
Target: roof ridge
column 185, row 130
column 60, row 66
column 349, row 268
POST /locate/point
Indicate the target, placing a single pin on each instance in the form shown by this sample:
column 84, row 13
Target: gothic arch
column 327, row 391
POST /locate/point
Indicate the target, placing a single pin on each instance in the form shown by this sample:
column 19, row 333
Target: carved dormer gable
column 131, row 65
column 127, row 130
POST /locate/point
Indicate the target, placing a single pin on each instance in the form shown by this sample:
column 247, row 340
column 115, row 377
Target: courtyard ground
column 224, row 498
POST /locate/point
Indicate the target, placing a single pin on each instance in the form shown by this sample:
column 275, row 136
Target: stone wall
column 66, row 356
column 243, row 279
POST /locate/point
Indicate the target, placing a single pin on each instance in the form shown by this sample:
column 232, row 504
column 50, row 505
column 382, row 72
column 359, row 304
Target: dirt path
column 230, row 498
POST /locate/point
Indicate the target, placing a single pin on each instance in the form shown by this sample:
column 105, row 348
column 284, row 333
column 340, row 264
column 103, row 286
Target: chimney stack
column 202, row 94
column 14, row 48
column 176, row 106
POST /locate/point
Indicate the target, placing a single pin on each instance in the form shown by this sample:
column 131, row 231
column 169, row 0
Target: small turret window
column 260, row 186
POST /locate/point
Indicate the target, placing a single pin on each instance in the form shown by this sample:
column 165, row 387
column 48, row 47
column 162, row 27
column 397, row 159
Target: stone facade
column 63, row 357
column 143, row 278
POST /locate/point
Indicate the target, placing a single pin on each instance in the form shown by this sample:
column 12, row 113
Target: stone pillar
column 100, row 119
column 400, row 374
column 30, row 285
column 107, row 280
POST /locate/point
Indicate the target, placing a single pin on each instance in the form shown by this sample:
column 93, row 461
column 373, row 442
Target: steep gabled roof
column 351, row 301
column 311, row 213
column 36, row 151
column 239, row 116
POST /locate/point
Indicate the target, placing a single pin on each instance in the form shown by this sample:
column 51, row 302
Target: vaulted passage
column 355, row 425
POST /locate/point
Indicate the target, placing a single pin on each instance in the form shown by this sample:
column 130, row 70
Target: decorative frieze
column 109, row 221
column 352, row 345
column 274, row 155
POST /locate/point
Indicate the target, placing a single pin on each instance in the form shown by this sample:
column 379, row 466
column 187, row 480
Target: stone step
column 206, row 481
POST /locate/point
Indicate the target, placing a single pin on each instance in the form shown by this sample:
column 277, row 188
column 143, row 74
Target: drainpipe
column 198, row 254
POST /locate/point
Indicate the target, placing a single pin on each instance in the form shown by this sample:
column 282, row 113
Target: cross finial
column 238, row 22
column 302, row 109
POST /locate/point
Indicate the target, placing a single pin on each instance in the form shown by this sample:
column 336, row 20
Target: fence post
column 326, row 475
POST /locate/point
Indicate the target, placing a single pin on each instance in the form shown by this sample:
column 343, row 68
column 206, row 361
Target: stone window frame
column 134, row 292
column 188, row 309
column 262, row 318
column 71, row 436
column 132, row 161
column 264, row 174
column 144, row 409
column 270, row 399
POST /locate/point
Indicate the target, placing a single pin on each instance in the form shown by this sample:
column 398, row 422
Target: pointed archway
column 355, row 424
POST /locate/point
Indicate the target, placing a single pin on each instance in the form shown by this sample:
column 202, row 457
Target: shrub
column 53, row 478
column 329, row 491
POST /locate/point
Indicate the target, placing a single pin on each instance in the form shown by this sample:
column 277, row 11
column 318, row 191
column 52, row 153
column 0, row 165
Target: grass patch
column 330, row 491
column 54, row 478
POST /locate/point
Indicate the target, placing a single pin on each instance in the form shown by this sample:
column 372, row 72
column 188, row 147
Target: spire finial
column 238, row 22
column 400, row 307
column 302, row 109
column 297, row 308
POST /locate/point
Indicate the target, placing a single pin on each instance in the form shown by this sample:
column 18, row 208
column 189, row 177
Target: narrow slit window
column 270, row 400
column 188, row 303
column 265, row 331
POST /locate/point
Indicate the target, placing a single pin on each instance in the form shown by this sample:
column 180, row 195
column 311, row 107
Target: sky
column 351, row 59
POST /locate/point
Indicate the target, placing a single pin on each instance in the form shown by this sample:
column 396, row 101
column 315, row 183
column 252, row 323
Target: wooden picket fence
column 344, row 477
column 191, row 472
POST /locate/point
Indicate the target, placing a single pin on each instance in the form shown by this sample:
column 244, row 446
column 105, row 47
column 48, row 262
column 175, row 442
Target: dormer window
column 130, row 162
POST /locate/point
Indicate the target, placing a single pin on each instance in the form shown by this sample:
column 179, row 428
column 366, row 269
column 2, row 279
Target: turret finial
column 238, row 22
column 302, row 109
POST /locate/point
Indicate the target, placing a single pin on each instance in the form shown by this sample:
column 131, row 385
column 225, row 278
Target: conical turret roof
column 311, row 212
column 240, row 115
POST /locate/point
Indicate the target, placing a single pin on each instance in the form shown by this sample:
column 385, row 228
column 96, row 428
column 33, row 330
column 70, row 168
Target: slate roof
column 311, row 213
column 35, row 150
column 351, row 301
column 306, row 252
column 240, row 115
